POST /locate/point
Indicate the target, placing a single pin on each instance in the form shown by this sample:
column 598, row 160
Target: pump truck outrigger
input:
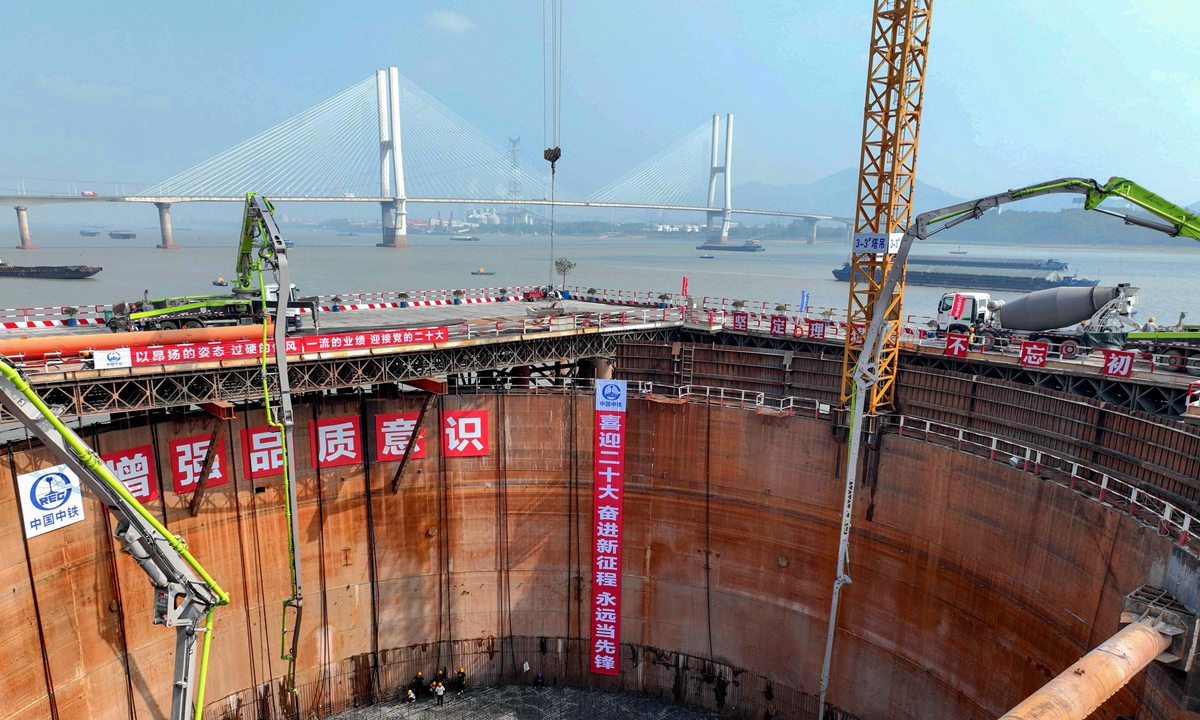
column 184, row 594
column 247, row 305
column 1177, row 222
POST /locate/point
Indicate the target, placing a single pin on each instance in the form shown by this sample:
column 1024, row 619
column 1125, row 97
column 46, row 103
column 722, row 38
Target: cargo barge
column 1013, row 275
column 748, row 246
column 48, row 272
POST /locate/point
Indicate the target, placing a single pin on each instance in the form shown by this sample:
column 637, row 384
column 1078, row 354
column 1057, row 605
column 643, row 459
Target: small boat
column 122, row 235
column 707, row 257
column 347, row 234
column 464, row 238
column 959, row 251
column 89, row 233
column 286, row 242
column 221, row 282
column 481, row 271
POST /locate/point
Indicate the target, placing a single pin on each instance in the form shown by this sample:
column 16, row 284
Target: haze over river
column 323, row 262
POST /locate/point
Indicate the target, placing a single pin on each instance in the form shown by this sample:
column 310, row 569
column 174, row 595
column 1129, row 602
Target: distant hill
column 831, row 195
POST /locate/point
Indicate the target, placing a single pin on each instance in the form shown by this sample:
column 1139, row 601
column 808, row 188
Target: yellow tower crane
column 887, row 170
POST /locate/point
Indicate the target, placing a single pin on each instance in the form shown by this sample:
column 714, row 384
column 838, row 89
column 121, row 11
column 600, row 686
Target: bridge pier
column 810, row 232
column 164, row 226
column 23, row 229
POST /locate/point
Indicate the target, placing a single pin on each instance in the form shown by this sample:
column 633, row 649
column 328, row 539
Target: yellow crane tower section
column 887, row 168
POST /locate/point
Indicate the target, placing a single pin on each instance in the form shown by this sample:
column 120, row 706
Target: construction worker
column 1150, row 326
column 440, row 691
column 418, row 682
column 410, row 697
column 461, row 679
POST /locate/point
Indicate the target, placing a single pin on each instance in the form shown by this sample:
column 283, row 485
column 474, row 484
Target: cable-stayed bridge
column 385, row 140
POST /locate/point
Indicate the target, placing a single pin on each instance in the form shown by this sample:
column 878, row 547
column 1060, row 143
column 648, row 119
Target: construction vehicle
column 246, row 306
column 1173, row 220
column 1070, row 317
column 184, row 594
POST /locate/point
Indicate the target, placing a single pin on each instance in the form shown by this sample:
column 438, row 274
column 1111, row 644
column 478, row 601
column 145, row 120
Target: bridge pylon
column 391, row 160
column 718, row 232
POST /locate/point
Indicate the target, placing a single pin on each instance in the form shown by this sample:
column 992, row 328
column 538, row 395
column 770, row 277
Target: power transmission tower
column 516, row 213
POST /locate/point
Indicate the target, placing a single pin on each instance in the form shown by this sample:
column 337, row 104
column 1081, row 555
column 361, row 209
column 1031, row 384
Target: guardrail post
column 992, row 454
column 1103, row 488
column 1183, row 532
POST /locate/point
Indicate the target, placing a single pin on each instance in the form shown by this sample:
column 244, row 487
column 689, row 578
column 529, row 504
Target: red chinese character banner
column 187, row 459
column 779, row 325
column 262, row 452
column 957, row 345
column 607, row 522
column 816, row 329
column 392, row 433
column 242, row 349
column 741, row 320
column 464, row 433
column 959, row 307
column 135, row 469
column 1118, row 363
column 335, row 442
column 1033, row 353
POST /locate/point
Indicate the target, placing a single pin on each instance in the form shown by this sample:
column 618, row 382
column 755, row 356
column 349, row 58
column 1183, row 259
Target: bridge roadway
column 31, row 200
column 499, row 339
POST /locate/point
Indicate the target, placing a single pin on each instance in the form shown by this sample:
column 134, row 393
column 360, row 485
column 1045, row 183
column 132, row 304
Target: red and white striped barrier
column 27, row 324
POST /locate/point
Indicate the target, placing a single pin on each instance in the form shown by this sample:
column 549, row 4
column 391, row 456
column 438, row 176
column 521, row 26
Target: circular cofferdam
column 974, row 581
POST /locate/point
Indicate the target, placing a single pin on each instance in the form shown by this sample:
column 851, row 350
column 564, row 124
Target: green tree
column 563, row 267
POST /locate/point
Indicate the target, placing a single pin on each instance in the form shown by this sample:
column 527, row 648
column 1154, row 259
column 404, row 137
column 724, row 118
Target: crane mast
column 886, row 176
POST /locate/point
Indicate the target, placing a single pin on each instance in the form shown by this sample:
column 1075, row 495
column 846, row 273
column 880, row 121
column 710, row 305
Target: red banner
column 208, row 352
column 134, row 467
column 816, row 329
column 741, row 320
column 608, row 469
column 262, row 452
column 393, row 431
column 779, row 324
column 335, row 442
column 465, row 433
column 1033, row 353
column 960, row 304
column 684, row 293
column 187, row 459
column 1118, row 363
column 956, row 345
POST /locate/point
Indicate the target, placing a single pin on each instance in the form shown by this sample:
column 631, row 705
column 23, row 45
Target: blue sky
column 1018, row 90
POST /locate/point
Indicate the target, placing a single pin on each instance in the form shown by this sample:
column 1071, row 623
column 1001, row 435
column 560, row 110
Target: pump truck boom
column 262, row 247
column 247, row 305
column 1177, row 222
column 184, row 594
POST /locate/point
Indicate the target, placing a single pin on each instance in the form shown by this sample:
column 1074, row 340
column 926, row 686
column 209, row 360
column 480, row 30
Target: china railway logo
column 612, row 392
column 50, row 492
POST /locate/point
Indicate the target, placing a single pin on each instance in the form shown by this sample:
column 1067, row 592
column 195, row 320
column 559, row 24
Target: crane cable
column 551, row 102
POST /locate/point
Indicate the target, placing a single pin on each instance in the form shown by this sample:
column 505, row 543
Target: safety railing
column 1167, row 518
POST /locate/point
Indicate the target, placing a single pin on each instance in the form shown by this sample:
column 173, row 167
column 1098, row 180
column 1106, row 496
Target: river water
column 323, row 262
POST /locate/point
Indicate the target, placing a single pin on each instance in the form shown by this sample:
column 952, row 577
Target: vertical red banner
column 608, row 470
column 959, row 306
column 684, row 293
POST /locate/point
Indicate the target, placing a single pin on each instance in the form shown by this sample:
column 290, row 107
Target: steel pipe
column 1081, row 688
column 38, row 347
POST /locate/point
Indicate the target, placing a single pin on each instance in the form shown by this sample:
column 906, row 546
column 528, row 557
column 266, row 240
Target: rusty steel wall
column 973, row 583
column 1128, row 443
